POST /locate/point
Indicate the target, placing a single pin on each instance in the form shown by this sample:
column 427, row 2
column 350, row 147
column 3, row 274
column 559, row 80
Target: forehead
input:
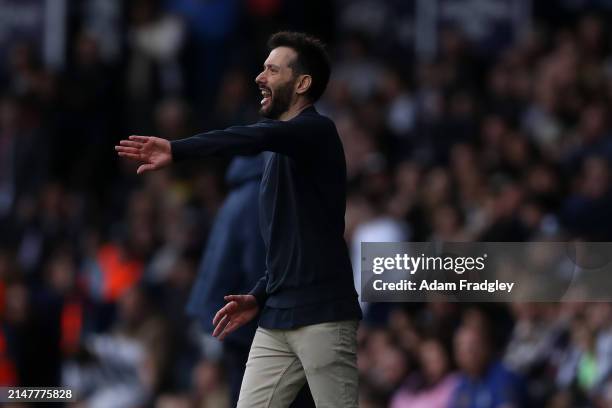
column 281, row 56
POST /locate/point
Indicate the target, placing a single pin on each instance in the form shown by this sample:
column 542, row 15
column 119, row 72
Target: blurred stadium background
column 461, row 120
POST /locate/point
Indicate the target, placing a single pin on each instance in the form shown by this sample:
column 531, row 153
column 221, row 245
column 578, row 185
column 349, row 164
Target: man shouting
column 307, row 302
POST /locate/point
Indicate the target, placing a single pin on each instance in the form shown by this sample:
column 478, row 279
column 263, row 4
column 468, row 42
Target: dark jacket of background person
column 498, row 387
column 234, row 258
column 233, row 262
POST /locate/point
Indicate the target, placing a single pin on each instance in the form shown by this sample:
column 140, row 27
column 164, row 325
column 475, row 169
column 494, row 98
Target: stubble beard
column 279, row 103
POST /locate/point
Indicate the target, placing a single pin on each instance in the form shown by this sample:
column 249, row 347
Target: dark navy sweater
column 302, row 202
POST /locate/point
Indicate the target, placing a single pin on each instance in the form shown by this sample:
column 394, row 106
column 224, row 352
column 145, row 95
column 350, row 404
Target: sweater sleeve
column 259, row 291
column 295, row 138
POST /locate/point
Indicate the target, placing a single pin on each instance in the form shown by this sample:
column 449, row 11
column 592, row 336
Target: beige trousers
column 281, row 361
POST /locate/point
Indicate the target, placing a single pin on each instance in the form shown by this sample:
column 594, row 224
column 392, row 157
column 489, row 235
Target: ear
column 303, row 84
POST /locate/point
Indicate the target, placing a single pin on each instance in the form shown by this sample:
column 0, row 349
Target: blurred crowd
column 96, row 264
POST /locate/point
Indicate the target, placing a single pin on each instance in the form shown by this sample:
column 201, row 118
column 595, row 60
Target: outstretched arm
column 154, row 152
column 296, row 138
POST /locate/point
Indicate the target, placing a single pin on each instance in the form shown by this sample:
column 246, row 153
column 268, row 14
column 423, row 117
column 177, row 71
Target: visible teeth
column 266, row 95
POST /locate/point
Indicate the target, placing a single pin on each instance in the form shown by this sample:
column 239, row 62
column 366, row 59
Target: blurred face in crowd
column 390, row 367
column 583, row 336
column 61, row 273
column 277, row 82
column 595, row 177
column 433, row 360
column 446, row 221
column 472, row 351
column 593, row 123
column 8, row 113
column 132, row 307
column 16, row 303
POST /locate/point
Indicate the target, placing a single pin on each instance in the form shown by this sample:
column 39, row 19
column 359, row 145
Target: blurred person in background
column 586, row 213
column 24, row 154
column 233, row 262
column 155, row 40
column 375, row 225
column 128, row 366
column 382, row 365
column 434, row 386
column 536, row 341
column 309, row 318
column 584, row 368
column 89, row 88
column 484, row 382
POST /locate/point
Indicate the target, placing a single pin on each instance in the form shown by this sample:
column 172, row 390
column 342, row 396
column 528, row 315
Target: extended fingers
column 130, row 155
column 129, row 152
column 229, row 298
column 230, row 327
column 124, row 149
column 220, row 314
column 130, row 143
column 220, row 326
column 141, row 139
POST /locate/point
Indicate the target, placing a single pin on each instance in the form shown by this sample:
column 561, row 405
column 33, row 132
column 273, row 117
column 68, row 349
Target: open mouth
column 267, row 96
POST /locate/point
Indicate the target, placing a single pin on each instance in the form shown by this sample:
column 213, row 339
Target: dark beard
column 280, row 102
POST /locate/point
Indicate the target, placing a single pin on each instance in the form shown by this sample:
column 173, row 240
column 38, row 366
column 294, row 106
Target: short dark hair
column 311, row 59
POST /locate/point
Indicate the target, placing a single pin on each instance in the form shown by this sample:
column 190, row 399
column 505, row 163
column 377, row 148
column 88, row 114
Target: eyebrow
column 271, row 66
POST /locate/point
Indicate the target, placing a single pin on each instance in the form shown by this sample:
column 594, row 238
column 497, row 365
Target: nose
column 260, row 79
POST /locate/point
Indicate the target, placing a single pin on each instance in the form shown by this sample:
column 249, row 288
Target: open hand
column 154, row 152
column 240, row 310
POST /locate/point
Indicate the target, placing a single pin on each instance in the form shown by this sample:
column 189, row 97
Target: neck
column 294, row 110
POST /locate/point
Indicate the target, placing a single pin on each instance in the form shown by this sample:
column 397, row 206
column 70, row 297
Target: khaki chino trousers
column 281, row 361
